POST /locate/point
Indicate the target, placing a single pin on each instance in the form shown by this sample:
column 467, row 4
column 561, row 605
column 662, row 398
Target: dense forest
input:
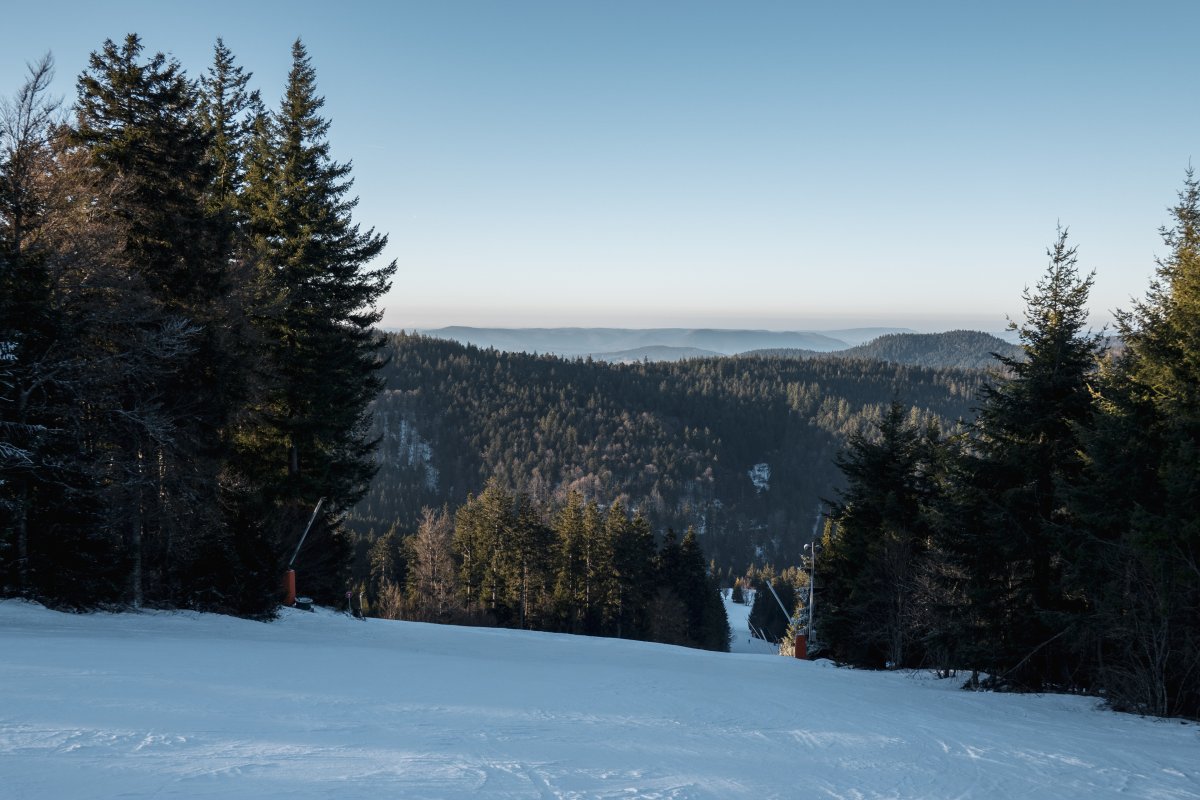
column 505, row 558
column 187, row 343
column 740, row 448
column 1055, row 543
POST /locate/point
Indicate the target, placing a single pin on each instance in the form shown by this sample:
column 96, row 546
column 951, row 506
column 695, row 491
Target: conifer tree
column 669, row 615
column 570, row 583
column 1027, row 444
column 137, row 121
column 311, row 437
column 31, row 376
column 608, row 576
column 484, row 531
column 635, row 567
column 228, row 111
column 531, row 564
column 161, row 404
column 708, row 624
column 737, row 595
column 872, row 553
column 1140, row 568
column 597, row 566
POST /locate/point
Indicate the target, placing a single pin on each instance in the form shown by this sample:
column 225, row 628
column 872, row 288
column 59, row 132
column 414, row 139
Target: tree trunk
column 21, row 523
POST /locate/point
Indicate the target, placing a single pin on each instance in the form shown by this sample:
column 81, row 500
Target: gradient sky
column 771, row 165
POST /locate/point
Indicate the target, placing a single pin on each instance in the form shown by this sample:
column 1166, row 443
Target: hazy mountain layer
column 585, row 341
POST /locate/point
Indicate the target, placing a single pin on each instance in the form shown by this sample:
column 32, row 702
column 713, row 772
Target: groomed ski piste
column 320, row 705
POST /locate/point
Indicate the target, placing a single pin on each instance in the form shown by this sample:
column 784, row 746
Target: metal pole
column 777, row 600
column 812, row 580
column 307, row 527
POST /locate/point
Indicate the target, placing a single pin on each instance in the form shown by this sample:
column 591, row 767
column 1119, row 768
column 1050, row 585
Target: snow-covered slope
column 160, row 705
column 739, row 624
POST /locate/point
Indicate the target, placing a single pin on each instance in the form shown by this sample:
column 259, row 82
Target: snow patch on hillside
column 760, row 476
column 402, row 444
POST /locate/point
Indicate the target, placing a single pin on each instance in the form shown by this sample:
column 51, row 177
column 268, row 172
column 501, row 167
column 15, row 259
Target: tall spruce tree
column 607, row 569
column 634, row 560
column 1026, row 443
column 311, row 439
column 570, row 581
column 873, row 550
column 227, row 115
column 708, row 625
column 485, row 530
column 1141, row 565
column 531, row 564
column 161, row 406
column 137, row 121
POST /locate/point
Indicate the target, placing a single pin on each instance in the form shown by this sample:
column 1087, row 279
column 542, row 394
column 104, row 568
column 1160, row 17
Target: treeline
column 1055, row 544
column 186, row 341
column 507, row 559
column 675, row 441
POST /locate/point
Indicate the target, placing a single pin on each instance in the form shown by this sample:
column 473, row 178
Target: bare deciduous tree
column 433, row 583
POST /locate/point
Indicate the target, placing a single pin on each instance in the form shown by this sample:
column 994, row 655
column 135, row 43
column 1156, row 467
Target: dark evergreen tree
column 228, row 111
column 531, row 565
column 738, row 595
column 142, row 324
column 597, row 568
column 634, row 560
column 571, row 573
column 310, row 436
column 608, row 577
column 29, row 328
column 667, row 616
column 138, row 123
column 164, row 406
column 1027, row 444
column 869, row 568
column 708, row 625
column 1140, row 567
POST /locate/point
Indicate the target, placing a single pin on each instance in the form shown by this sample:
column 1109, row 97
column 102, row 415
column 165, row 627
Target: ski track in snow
column 179, row 705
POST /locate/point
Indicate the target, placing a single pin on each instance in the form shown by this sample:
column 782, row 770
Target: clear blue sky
column 772, row 165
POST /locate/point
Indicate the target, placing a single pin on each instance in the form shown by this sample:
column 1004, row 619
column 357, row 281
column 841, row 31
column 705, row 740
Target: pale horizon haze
column 780, row 165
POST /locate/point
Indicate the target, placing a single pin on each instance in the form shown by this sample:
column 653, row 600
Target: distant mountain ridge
column 573, row 342
column 950, row 350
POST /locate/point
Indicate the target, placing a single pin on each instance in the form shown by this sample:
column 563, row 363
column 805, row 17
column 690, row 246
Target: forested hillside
column 741, row 448
column 952, row 349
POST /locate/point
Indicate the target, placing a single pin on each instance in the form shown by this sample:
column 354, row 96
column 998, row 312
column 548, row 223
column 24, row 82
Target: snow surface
column 739, row 625
column 318, row 705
